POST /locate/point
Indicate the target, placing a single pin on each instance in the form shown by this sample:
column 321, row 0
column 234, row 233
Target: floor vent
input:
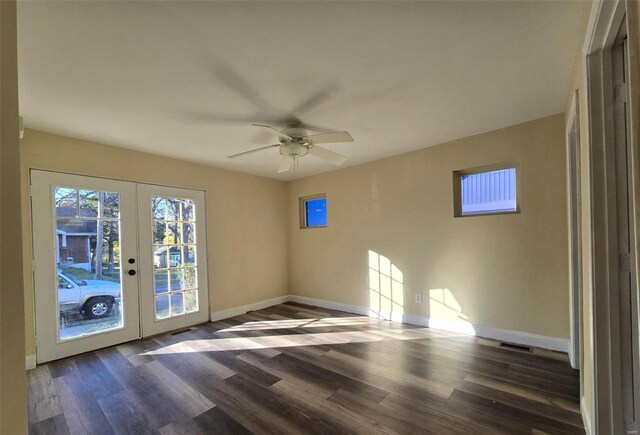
column 180, row 331
column 516, row 347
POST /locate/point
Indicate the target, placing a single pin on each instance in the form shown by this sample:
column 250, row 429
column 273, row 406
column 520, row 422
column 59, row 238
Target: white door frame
column 139, row 303
column 150, row 325
column 48, row 344
column 575, row 231
column 607, row 17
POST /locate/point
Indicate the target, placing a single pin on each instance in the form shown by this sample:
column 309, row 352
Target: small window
column 313, row 211
column 487, row 190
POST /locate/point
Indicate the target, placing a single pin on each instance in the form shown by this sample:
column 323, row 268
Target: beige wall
column 13, row 404
column 245, row 214
column 505, row 271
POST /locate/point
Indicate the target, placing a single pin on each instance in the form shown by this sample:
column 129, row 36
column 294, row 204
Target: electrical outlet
column 418, row 298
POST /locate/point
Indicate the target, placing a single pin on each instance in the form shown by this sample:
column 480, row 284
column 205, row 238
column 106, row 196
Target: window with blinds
column 486, row 191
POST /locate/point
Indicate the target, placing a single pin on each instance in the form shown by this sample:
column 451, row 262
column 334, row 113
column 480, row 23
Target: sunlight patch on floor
column 293, row 340
column 300, row 323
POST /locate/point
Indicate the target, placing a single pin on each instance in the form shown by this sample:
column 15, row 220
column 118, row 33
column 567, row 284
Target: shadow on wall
column 446, row 313
column 386, row 290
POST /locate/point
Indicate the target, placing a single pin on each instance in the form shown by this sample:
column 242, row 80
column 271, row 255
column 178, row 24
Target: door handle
column 132, row 272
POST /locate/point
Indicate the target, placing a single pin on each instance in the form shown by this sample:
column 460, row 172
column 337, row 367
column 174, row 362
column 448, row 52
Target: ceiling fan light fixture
column 295, row 142
column 294, row 149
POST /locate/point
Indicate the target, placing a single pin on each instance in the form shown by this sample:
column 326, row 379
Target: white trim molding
column 586, row 417
column 574, row 225
column 516, row 337
column 608, row 20
column 242, row 309
column 30, row 362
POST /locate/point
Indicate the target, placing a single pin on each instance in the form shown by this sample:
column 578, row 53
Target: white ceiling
column 186, row 80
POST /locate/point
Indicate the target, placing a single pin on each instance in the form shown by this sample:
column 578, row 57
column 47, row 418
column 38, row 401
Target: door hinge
column 33, row 265
column 624, row 261
column 620, row 93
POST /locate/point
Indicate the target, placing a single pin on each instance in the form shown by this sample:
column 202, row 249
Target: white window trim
column 302, row 206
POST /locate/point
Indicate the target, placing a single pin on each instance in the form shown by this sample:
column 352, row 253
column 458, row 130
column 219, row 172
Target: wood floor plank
column 52, row 425
column 255, row 416
column 293, row 368
column 506, row 412
column 518, row 390
column 183, row 427
column 124, row 416
column 162, row 410
column 522, row 403
column 300, row 419
column 377, row 413
column 485, row 423
column 45, row 404
column 319, row 375
column 216, row 421
column 247, row 370
column 131, row 352
column 62, row 367
column 96, row 375
column 184, row 396
column 352, row 421
column 79, row 406
column 399, row 376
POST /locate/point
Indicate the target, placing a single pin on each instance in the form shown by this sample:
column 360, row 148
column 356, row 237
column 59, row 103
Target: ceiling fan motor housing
column 294, row 149
column 295, row 142
column 295, row 132
column 297, row 146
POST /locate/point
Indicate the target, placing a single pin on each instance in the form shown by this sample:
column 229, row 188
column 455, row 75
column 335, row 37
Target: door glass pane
column 162, row 306
column 177, row 305
column 175, row 262
column 162, row 280
column 88, row 203
column 87, row 245
column 160, row 233
column 159, row 208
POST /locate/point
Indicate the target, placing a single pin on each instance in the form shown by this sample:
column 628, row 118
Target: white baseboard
column 322, row 303
column 517, row 337
column 586, row 417
column 31, row 362
column 524, row 338
column 236, row 311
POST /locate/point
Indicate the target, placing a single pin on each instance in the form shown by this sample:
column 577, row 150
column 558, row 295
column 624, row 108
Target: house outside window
column 486, row 190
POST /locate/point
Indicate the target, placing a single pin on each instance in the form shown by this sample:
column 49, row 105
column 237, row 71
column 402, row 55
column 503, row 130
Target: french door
column 114, row 261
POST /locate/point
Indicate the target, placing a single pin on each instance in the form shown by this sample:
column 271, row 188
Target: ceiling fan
column 295, row 142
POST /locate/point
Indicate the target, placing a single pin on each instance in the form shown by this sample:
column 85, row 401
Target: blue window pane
column 489, row 192
column 316, row 212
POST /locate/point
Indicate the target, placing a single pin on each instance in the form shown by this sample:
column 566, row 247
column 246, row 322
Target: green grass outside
column 83, row 274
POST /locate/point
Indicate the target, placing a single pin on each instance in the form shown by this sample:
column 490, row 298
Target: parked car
column 93, row 299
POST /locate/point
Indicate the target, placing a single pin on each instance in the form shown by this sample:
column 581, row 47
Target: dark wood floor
column 297, row 369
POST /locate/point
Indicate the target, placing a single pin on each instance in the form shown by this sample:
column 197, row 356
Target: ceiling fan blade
column 285, row 164
column 315, row 100
column 336, row 137
column 327, row 155
column 242, row 86
column 273, row 131
column 252, row 151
